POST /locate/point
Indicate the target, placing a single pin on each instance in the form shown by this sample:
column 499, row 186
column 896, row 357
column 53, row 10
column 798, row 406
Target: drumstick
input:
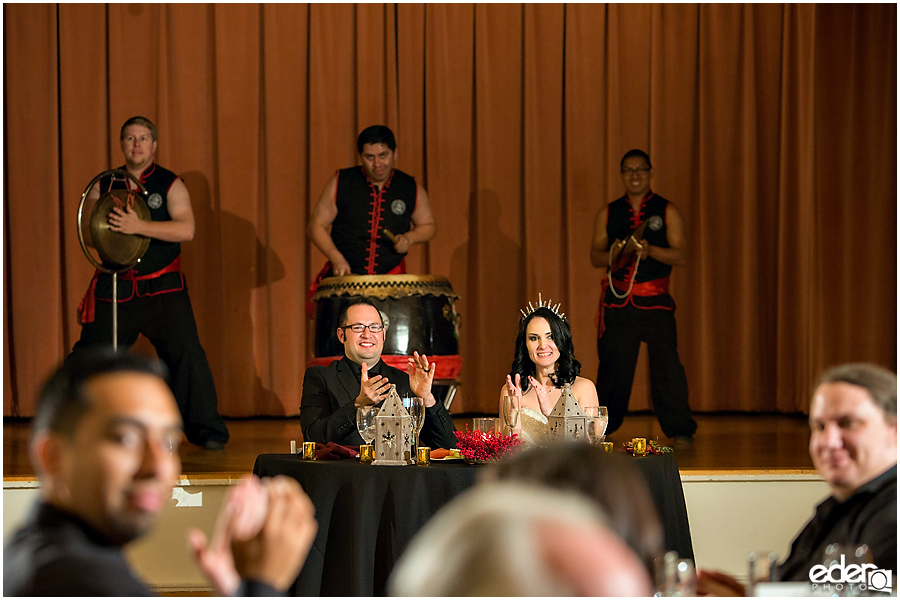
column 390, row 235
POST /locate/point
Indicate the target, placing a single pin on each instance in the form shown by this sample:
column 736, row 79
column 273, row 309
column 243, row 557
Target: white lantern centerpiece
column 567, row 420
column 393, row 432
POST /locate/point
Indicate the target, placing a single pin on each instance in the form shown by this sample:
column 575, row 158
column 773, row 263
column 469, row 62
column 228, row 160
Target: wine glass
column 761, row 568
column 416, row 408
column 511, row 411
column 847, row 554
column 365, row 423
column 676, row 576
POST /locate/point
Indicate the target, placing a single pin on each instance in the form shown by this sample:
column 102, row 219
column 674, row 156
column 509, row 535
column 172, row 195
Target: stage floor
column 723, row 444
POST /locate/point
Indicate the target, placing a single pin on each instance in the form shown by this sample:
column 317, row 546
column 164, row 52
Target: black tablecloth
column 368, row 514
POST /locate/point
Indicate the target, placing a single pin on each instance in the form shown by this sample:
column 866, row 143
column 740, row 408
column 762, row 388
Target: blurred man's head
column 105, row 442
column 853, row 423
column 609, row 479
column 514, row 539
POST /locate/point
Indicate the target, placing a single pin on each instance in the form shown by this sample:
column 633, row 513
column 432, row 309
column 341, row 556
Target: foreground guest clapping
column 105, row 448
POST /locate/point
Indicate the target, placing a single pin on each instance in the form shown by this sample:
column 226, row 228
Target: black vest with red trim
column 364, row 211
column 158, row 181
column 621, row 220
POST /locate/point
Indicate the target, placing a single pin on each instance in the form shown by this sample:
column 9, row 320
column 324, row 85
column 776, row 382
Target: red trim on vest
column 445, row 367
column 375, row 219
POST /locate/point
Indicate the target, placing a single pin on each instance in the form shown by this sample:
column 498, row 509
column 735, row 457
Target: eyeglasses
column 360, row 327
column 639, row 171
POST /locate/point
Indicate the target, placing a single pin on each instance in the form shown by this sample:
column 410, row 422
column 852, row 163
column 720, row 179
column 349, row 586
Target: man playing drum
column 374, row 212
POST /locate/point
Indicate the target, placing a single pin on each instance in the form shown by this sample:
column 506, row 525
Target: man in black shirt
column 853, row 445
column 332, row 394
column 152, row 296
column 105, row 448
column 358, row 204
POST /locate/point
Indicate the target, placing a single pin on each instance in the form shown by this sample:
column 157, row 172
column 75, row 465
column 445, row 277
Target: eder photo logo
column 836, row 575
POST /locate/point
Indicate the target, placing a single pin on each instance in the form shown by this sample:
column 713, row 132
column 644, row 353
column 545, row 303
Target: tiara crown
column 549, row 306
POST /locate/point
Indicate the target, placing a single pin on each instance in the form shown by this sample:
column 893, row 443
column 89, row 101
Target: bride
column 544, row 362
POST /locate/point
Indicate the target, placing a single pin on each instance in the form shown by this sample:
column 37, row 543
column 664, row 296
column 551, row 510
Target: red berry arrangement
column 479, row 446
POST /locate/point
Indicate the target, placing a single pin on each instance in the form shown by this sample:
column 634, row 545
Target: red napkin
column 332, row 451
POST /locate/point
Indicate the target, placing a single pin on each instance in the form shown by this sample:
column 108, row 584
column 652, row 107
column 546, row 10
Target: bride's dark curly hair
column 567, row 368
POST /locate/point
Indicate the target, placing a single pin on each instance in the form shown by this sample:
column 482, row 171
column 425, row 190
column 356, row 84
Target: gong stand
column 119, row 252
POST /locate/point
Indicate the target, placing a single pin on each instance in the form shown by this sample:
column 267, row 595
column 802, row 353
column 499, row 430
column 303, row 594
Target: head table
column 368, row 514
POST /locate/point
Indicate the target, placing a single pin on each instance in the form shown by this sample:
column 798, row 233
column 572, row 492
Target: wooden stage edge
column 725, row 446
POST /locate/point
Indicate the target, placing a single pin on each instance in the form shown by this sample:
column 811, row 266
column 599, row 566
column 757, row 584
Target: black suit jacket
column 328, row 412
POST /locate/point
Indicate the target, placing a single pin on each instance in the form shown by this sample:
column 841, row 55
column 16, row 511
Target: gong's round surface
column 117, row 249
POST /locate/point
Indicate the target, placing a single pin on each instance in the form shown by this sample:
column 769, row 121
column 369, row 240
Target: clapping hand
column 241, row 517
column 277, row 552
column 421, row 376
column 514, row 389
column 543, row 399
column 371, row 390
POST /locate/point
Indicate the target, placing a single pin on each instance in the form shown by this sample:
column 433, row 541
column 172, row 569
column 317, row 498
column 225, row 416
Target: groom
column 332, row 394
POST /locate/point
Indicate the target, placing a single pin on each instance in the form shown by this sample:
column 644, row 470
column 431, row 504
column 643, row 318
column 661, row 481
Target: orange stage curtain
column 772, row 127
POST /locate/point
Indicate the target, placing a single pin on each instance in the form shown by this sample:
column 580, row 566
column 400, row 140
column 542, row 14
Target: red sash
column 86, row 306
column 654, row 287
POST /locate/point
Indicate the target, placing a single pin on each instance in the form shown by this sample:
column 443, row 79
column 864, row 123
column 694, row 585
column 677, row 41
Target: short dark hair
column 64, row 399
column 609, row 480
column 376, row 134
column 143, row 122
column 358, row 302
column 635, row 153
column 880, row 383
column 567, row 367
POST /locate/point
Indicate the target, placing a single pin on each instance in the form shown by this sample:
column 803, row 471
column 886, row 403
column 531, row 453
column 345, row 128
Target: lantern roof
column 392, row 406
column 567, row 406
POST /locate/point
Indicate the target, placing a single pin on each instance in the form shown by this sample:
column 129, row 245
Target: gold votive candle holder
column 639, row 446
column 607, row 446
column 366, row 453
column 309, row 451
column 423, row 456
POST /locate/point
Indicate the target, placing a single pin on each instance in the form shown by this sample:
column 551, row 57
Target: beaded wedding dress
column 534, row 426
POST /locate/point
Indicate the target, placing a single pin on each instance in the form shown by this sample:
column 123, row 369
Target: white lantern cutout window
column 393, row 432
column 567, row 420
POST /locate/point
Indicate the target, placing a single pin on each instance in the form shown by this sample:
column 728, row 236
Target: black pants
column 167, row 320
column 626, row 328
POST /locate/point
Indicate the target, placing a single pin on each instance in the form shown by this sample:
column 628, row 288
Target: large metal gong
column 118, row 252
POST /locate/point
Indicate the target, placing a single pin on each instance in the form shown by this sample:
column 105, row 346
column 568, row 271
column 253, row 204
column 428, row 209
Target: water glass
column 603, row 420
column 761, row 569
column 595, row 428
column 484, row 425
